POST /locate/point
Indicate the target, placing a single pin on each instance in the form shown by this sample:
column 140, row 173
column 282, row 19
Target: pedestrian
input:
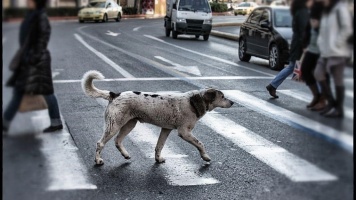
column 33, row 75
column 300, row 15
column 311, row 56
column 334, row 33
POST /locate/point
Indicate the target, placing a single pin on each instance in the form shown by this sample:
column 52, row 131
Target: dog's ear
column 198, row 105
column 209, row 96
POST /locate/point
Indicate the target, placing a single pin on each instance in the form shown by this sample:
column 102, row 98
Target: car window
column 265, row 16
column 255, row 16
column 194, row 5
column 282, row 18
column 97, row 4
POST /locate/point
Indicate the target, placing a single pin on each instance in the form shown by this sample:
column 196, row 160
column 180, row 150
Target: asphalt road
column 261, row 148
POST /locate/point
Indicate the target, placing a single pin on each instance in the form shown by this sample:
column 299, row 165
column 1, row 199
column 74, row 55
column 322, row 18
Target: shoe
column 53, row 128
column 338, row 110
column 320, row 105
column 271, row 90
column 326, row 92
column 316, row 96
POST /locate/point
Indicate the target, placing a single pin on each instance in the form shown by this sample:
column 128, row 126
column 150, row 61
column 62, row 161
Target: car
column 100, row 10
column 279, row 3
column 267, row 34
column 245, row 8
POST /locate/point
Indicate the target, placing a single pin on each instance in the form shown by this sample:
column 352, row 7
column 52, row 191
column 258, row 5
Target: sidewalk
column 228, row 31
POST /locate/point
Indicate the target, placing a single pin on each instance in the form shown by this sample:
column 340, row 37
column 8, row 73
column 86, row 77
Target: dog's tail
column 89, row 88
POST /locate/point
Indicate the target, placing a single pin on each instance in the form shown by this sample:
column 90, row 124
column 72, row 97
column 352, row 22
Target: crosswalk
column 180, row 168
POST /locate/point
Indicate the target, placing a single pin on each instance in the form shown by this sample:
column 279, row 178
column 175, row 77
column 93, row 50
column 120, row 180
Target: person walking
column 33, row 75
column 300, row 14
column 312, row 55
column 334, row 33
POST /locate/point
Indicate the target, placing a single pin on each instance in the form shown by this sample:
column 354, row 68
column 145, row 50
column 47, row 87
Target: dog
column 179, row 111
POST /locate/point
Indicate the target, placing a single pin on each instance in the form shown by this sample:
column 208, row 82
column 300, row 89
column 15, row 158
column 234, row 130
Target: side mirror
column 265, row 25
column 108, row 5
column 175, row 6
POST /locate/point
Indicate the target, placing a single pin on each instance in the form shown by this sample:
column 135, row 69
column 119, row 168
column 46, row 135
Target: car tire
column 118, row 19
column 168, row 32
column 197, row 36
column 243, row 56
column 174, row 34
column 206, row 37
column 275, row 61
column 81, row 21
column 96, row 21
column 105, row 18
column 235, row 14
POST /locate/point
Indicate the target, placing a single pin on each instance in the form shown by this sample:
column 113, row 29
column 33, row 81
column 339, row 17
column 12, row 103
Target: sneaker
column 271, row 90
column 53, row 128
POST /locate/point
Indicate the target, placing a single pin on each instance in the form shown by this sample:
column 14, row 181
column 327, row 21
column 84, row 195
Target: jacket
column 299, row 24
column 333, row 33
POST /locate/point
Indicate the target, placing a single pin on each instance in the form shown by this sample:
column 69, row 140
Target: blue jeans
column 15, row 102
column 282, row 75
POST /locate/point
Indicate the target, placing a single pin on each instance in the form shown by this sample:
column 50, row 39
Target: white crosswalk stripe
column 286, row 163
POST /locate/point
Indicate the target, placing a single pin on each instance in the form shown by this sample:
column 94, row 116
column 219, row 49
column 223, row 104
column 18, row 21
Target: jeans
column 15, row 102
column 282, row 75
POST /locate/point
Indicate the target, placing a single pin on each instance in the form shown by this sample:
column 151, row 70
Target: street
column 261, row 148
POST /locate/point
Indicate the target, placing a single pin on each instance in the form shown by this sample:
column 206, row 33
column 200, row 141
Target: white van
column 192, row 17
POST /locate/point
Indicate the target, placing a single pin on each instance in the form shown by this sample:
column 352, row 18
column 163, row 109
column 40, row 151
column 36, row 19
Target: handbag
column 32, row 103
column 297, row 72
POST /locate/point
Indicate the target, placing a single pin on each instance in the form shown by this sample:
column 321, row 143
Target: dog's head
column 215, row 98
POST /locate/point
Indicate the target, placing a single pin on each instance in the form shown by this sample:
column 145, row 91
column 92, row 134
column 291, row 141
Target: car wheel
column 243, row 56
column 275, row 62
column 105, row 18
column 81, row 21
column 118, row 17
column 96, row 21
column 174, row 34
column 235, row 14
column 197, row 36
column 168, row 32
column 206, row 37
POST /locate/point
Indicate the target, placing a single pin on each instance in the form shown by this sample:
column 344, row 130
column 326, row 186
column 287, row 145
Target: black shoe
column 271, row 90
column 53, row 128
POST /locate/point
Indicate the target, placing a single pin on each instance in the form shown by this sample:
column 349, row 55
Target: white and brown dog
column 179, row 111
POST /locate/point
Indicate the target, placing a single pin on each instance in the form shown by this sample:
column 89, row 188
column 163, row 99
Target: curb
column 224, row 35
column 227, row 24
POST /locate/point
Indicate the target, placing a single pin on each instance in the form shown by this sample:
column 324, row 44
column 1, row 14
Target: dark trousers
column 308, row 66
column 15, row 102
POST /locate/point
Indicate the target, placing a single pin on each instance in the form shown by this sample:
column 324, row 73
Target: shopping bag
column 32, row 103
column 297, row 72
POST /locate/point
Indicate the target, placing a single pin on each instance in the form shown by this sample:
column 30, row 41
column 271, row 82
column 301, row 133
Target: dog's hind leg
column 187, row 135
column 110, row 130
column 160, row 143
column 125, row 130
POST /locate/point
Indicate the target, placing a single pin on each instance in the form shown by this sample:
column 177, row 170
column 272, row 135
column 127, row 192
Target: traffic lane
column 228, row 154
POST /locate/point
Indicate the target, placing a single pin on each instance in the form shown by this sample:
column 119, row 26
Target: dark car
column 267, row 34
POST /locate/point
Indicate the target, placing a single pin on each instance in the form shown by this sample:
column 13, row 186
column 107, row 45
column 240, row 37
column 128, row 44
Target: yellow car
column 245, row 8
column 100, row 10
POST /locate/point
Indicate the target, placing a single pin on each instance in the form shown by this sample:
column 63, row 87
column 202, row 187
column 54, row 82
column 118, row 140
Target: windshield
column 97, row 4
column 244, row 5
column 194, row 5
column 282, row 18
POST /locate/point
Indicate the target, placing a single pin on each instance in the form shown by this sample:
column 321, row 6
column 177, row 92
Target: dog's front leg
column 160, row 143
column 187, row 135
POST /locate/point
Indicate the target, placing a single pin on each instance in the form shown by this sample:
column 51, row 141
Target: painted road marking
column 349, row 93
column 294, row 168
column 175, row 78
column 189, row 69
column 179, row 170
column 137, row 28
column 208, row 56
column 349, row 113
column 112, row 33
column 104, row 58
column 341, row 138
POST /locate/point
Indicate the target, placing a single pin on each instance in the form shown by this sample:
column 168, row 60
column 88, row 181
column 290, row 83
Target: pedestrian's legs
column 308, row 66
column 12, row 109
column 281, row 76
column 53, row 109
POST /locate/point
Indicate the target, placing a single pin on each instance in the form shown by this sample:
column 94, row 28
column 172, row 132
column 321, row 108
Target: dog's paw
column 160, row 160
column 127, row 157
column 99, row 161
column 206, row 158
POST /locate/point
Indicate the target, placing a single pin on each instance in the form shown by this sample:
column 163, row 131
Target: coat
column 34, row 75
column 299, row 25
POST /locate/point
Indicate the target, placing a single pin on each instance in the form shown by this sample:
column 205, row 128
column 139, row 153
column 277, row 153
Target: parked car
column 279, row 3
column 267, row 34
column 245, row 8
column 100, row 10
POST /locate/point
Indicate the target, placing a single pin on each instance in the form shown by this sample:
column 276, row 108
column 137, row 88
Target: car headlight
column 181, row 20
column 208, row 21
